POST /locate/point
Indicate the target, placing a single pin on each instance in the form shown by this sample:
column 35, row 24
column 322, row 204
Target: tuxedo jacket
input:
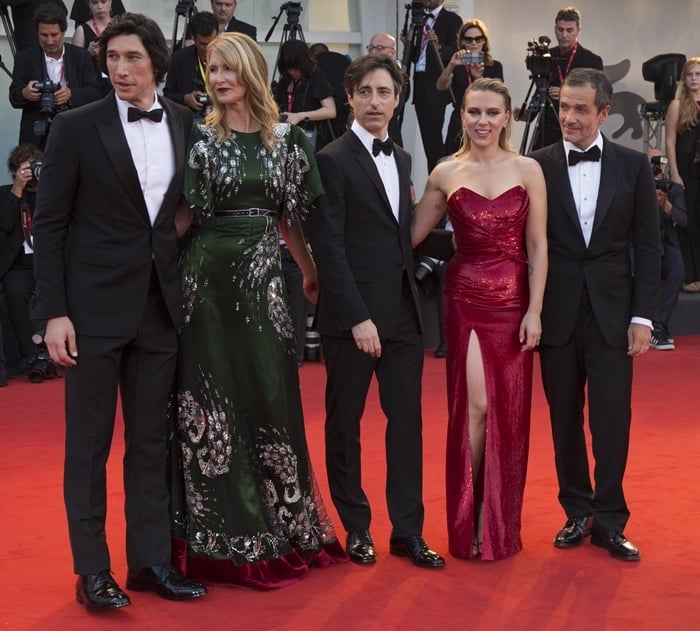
column 362, row 251
column 30, row 65
column 95, row 247
column 237, row 26
column 620, row 267
column 11, row 235
column 183, row 75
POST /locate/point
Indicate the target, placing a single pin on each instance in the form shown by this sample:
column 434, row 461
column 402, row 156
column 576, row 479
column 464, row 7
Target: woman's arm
column 326, row 111
column 671, row 131
column 444, row 81
column 296, row 244
column 79, row 36
column 536, row 247
column 430, row 208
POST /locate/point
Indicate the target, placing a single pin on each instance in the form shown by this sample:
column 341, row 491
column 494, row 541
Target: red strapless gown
column 486, row 291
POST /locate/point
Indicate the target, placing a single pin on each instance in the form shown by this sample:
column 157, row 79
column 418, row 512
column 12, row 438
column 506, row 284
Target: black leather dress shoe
column 415, row 548
column 616, row 544
column 99, row 592
column 164, row 581
column 575, row 530
column 360, row 547
column 440, row 350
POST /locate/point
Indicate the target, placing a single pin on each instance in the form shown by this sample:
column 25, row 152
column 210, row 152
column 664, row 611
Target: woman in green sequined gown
column 246, row 508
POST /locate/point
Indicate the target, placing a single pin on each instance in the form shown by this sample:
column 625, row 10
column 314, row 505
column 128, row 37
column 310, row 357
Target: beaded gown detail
column 245, row 505
column 486, row 291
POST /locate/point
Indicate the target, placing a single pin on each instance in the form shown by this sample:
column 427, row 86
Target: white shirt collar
column 123, row 106
column 365, row 137
column 597, row 142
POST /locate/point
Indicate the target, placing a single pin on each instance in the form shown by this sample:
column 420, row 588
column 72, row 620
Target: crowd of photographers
column 442, row 55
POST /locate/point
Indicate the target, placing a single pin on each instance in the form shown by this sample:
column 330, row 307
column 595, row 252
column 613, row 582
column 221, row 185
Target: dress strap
column 246, row 212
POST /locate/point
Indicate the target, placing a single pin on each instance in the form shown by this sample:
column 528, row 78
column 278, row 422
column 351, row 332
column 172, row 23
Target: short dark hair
column 355, row 72
column 204, row 23
column 148, row 32
column 50, row 14
column 580, row 77
column 22, row 153
column 569, row 14
column 294, row 53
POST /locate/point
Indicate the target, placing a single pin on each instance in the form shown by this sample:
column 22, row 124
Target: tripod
column 9, row 31
column 291, row 30
column 184, row 9
column 535, row 111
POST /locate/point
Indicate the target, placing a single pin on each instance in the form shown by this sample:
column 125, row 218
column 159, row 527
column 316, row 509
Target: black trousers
column 142, row 367
column 430, row 104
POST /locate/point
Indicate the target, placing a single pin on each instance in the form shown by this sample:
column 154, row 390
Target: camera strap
column 572, row 54
column 25, row 213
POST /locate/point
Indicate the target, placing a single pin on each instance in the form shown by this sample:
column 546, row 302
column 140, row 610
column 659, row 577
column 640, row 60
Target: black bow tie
column 593, row 154
column 134, row 114
column 387, row 146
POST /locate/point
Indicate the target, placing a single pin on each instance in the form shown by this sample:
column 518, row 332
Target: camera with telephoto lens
column 661, row 179
column 42, row 367
column 426, row 274
column 539, row 59
column 47, row 89
column 35, row 170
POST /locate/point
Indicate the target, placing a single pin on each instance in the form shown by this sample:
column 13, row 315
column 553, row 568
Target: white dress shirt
column 386, row 165
column 152, row 152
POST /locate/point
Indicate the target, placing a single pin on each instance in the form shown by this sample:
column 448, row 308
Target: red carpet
column 540, row 589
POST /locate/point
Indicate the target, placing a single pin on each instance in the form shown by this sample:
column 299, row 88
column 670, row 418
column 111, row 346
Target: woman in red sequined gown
column 493, row 290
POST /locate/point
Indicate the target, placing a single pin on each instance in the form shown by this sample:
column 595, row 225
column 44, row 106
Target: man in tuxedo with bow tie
column 369, row 312
column 108, row 286
column 599, row 304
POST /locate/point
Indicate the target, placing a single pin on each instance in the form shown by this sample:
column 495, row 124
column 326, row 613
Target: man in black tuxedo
column 68, row 67
column 598, row 309
column 369, row 312
column 438, row 44
column 567, row 55
column 224, row 11
column 186, row 76
column 108, row 286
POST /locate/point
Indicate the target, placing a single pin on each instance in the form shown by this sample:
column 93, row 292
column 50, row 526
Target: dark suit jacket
column 94, row 243
column 583, row 58
column 30, row 65
column 11, row 236
column 446, row 27
column 361, row 250
column 626, row 216
column 236, row 26
column 183, row 75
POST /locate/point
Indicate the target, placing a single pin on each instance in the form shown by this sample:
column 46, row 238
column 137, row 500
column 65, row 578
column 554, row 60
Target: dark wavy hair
column 294, row 53
column 50, row 14
column 22, row 153
column 362, row 66
column 147, row 31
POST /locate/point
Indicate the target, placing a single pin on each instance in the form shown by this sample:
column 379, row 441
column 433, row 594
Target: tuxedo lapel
column 177, row 135
column 610, row 173
column 111, row 134
column 403, row 163
column 369, row 167
column 563, row 187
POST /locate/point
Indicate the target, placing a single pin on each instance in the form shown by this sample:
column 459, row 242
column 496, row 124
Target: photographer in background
column 17, row 255
column 566, row 56
column 672, row 213
column 50, row 77
column 188, row 67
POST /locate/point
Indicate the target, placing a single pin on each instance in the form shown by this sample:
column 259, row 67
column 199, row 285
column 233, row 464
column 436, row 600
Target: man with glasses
column 566, row 56
column 385, row 44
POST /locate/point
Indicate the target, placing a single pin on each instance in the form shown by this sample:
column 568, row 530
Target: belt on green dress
column 246, row 212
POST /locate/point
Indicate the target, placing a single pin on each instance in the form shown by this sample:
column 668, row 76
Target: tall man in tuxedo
column 368, row 312
column 599, row 304
column 438, row 44
column 566, row 55
column 108, row 286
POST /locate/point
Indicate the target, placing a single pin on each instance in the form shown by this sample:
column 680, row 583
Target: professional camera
column 539, row 60
column 47, row 89
column 293, row 10
column 426, row 274
column 35, row 170
column 661, row 179
column 203, row 99
column 419, row 11
column 42, row 367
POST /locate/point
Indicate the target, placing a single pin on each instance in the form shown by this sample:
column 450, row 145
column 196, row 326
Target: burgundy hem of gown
column 262, row 575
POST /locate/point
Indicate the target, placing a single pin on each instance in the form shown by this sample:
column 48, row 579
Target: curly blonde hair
column 245, row 57
column 687, row 110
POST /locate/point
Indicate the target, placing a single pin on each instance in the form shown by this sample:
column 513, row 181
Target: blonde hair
column 497, row 87
column 244, row 57
column 687, row 110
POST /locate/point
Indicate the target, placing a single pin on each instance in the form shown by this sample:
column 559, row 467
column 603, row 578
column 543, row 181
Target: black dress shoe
column 616, row 544
column 440, row 350
column 164, row 581
column 575, row 530
column 415, row 548
column 360, row 547
column 99, row 592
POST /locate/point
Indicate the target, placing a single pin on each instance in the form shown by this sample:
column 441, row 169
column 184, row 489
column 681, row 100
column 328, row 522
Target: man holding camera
column 567, row 55
column 672, row 212
column 17, row 202
column 50, row 77
column 185, row 83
